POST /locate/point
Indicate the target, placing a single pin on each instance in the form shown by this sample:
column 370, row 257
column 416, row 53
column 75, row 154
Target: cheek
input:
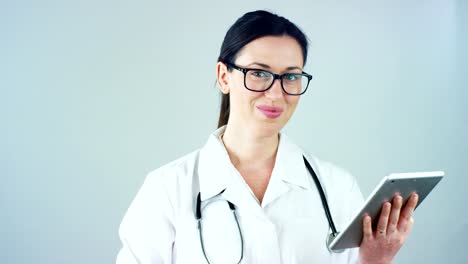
column 292, row 102
column 245, row 95
column 241, row 98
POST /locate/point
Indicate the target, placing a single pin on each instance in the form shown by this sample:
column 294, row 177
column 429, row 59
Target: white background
column 95, row 94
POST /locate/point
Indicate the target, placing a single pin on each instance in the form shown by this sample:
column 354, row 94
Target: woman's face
column 264, row 113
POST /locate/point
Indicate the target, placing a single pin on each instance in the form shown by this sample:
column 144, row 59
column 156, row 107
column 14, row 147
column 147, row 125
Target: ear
column 222, row 77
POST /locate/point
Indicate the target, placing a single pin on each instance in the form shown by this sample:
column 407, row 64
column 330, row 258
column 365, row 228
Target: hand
column 381, row 245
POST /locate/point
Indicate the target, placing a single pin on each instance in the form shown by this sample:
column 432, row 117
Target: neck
column 249, row 149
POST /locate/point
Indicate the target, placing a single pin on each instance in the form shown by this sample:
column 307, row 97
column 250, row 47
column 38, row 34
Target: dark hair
column 251, row 26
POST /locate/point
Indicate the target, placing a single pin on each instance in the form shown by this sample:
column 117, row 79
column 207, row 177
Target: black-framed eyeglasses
column 260, row 80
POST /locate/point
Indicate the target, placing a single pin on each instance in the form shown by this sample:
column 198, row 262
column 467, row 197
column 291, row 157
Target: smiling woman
column 250, row 194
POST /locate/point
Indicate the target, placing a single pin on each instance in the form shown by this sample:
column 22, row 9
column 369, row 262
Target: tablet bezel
column 403, row 183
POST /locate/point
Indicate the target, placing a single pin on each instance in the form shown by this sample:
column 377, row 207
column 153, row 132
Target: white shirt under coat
column 289, row 226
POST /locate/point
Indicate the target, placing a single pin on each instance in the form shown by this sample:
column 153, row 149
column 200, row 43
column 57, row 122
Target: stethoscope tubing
column 323, row 199
column 200, row 228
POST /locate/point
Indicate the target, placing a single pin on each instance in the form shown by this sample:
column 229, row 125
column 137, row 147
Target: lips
column 270, row 111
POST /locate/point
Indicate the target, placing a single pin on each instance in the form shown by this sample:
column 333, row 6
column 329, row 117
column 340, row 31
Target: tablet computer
column 403, row 183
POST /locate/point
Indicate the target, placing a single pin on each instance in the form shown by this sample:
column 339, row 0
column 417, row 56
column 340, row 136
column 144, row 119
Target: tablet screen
column 403, row 183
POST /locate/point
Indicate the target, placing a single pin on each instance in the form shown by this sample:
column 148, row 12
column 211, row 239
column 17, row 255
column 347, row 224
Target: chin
column 269, row 128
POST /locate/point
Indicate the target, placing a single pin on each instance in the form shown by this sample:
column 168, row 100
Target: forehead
column 279, row 52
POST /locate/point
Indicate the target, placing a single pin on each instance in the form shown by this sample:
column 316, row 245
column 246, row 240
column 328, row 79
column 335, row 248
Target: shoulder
column 339, row 183
column 161, row 191
column 332, row 173
column 341, row 187
column 167, row 183
column 174, row 171
column 148, row 226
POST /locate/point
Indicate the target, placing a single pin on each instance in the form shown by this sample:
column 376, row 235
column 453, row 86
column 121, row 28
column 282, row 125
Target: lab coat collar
column 214, row 166
column 289, row 164
column 216, row 172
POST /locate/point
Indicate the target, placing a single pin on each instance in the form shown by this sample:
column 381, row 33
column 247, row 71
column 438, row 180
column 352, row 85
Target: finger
column 410, row 225
column 408, row 228
column 394, row 214
column 367, row 227
column 383, row 219
column 407, row 212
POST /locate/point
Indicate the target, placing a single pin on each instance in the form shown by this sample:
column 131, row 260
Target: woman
column 247, row 196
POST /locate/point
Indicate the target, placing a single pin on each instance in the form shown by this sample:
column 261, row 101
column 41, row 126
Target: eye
column 292, row 77
column 260, row 74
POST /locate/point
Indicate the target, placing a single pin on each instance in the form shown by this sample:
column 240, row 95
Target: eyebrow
column 268, row 67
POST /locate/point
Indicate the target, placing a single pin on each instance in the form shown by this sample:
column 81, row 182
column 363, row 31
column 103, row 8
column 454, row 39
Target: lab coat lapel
column 213, row 167
column 289, row 171
column 217, row 175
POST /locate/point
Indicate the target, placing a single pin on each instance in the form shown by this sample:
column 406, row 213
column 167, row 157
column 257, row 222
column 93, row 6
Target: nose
column 275, row 91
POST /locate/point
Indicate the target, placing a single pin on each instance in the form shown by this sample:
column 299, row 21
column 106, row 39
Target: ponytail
column 224, row 110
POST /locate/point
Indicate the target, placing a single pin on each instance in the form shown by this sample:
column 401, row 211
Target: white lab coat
column 288, row 227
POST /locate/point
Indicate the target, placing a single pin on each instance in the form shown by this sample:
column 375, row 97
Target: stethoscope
column 331, row 236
